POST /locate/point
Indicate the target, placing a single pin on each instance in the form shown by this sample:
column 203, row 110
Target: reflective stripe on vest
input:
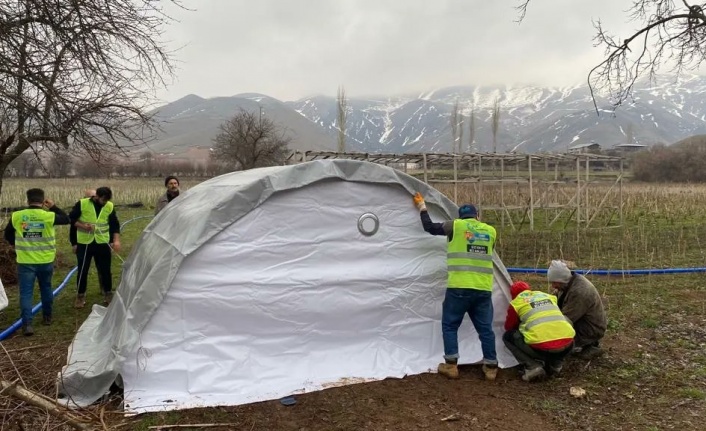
column 101, row 234
column 470, row 255
column 35, row 238
column 540, row 318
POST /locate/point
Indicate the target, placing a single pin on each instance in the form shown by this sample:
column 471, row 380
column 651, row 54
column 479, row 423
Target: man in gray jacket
column 580, row 301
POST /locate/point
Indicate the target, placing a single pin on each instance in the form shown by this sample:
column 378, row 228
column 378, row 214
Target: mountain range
column 531, row 118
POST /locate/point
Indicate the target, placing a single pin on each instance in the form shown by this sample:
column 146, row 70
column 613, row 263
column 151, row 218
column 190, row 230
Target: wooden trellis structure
column 512, row 185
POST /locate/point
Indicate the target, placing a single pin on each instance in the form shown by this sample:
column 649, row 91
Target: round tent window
column 368, row 224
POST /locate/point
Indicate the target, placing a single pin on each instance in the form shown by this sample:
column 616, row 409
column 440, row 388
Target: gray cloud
column 294, row 48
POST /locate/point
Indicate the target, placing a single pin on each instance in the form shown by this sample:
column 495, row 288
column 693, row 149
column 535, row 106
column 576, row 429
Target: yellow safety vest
column 470, row 255
column 540, row 317
column 101, row 232
column 35, row 238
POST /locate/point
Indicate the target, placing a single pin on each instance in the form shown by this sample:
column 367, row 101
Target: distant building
column 589, row 147
column 630, row 148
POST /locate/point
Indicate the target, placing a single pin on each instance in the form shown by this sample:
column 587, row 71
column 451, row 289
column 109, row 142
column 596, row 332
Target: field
column 653, row 376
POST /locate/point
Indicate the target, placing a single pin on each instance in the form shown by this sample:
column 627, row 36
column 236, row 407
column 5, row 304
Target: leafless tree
column 342, row 104
column 246, row 142
column 472, row 128
column 495, row 123
column 670, row 33
column 455, row 114
column 78, row 74
column 60, row 163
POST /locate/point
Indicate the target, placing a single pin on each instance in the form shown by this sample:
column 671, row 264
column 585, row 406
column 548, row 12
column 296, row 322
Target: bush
column 681, row 162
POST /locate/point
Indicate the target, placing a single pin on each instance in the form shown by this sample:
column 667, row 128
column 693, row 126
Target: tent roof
column 109, row 336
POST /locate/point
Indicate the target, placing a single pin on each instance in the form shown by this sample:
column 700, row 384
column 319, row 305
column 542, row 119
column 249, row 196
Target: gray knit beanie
column 558, row 272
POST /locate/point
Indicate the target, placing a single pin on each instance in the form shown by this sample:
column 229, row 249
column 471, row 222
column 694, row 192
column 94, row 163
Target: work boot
column 555, row 369
column 490, row 371
column 46, row 320
column 534, row 374
column 80, row 301
column 107, row 297
column 27, row 330
column 449, row 370
column 590, row 352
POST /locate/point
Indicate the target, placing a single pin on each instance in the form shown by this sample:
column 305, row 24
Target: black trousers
column 532, row 358
column 100, row 253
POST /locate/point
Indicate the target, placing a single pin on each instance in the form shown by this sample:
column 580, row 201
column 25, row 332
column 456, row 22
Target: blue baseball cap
column 467, row 211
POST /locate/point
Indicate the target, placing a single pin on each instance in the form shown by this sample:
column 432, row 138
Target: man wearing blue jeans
column 31, row 232
column 470, row 284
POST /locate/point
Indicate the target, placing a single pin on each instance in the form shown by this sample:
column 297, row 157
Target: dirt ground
column 422, row 402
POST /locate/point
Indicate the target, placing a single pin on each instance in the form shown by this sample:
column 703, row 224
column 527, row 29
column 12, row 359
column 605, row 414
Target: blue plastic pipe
column 652, row 271
column 15, row 326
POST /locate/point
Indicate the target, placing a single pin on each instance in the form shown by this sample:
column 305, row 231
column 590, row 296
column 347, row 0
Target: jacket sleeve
column 75, row 213
column 512, row 321
column 113, row 225
column 9, row 233
column 73, row 239
column 435, row 228
column 60, row 217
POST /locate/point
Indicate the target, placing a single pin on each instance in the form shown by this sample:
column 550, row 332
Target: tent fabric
column 3, row 297
column 258, row 284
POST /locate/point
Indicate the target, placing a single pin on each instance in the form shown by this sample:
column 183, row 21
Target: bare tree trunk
column 454, row 128
column 496, row 123
column 472, row 129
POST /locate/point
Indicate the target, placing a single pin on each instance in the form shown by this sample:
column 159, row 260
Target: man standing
column 537, row 333
column 97, row 232
column 470, row 284
column 172, row 185
column 31, row 232
column 580, row 301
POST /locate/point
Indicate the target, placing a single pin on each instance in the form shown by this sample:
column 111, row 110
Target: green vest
column 101, row 232
column 540, row 318
column 470, row 255
column 35, row 239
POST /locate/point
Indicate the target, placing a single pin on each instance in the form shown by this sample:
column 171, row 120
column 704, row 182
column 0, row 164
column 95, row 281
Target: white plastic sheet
column 3, row 297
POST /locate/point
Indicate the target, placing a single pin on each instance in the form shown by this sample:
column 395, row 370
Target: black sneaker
column 27, row 330
column 46, row 320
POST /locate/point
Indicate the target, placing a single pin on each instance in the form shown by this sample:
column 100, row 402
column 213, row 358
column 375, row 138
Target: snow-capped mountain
column 531, row 118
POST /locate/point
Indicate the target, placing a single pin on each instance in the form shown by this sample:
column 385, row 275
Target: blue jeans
column 27, row 273
column 479, row 306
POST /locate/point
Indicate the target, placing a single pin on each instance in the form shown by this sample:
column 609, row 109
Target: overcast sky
column 290, row 49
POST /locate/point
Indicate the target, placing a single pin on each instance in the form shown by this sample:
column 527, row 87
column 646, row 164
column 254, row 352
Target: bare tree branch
column 79, row 74
column 670, row 33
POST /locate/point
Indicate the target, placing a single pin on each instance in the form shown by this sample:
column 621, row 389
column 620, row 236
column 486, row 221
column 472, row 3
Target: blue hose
column 652, row 271
column 15, row 326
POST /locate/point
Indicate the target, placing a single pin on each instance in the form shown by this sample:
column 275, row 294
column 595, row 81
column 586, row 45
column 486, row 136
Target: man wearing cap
column 172, row 185
column 580, row 301
column 470, row 284
column 536, row 332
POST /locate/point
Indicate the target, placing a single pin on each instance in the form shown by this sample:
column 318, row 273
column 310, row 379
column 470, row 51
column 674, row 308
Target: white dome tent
column 264, row 283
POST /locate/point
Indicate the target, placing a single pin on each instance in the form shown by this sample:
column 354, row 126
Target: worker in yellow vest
column 470, row 284
column 537, row 333
column 97, row 232
column 31, row 232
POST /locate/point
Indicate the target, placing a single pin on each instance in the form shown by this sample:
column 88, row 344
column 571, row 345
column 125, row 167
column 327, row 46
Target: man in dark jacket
column 31, row 232
column 172, row 185
column 580, row 301
column 97, row 232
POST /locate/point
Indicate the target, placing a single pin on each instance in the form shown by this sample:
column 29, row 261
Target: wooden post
column 502, row 191
column 424, row 163
column 586, row 187
column 455, row 179
column 531, row 209
column 578, row 192
column 620, row 188
column 480, row 183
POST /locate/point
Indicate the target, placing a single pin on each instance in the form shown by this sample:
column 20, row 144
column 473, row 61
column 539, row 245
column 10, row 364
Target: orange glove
column 419, row 202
